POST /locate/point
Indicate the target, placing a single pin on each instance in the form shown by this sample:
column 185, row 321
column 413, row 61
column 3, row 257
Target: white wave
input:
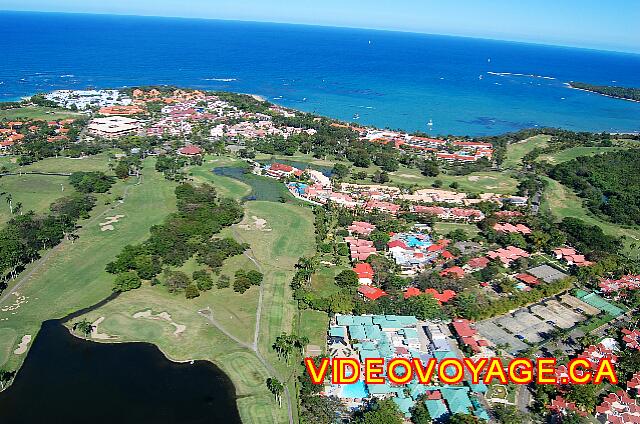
column 514, row 74
column 67, row 76
column 221, row 79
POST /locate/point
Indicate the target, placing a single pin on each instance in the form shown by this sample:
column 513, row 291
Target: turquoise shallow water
column 397, row 80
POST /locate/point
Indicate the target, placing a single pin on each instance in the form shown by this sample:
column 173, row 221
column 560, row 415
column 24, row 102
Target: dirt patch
column 96, row 334
column 24, row 344
column 406, row 176
column 162, row 316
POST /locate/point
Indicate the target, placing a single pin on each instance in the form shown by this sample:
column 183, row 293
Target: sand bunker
column 258, row 224
column 22, row 347
column 96, row 334
column 20, row 300
column 162, row 316
column 108, row 224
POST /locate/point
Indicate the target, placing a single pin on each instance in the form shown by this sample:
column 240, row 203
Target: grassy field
column 99, row 162
column 35, row 192
column 73, row 276
column 313, row 324
column 286, row 234
column 322, row 282
column 476, row 182
column 36, row 112
column 563, row 202
column 226, row 187
column 446, row 227
column 516, row 151
column 574, row 152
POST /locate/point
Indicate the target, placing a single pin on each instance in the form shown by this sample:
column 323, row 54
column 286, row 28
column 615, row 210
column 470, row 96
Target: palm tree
column 5, row 378
column 276, row 388
column 84, row 327
column 9, row 199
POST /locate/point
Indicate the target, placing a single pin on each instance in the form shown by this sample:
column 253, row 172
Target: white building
column 114, row 126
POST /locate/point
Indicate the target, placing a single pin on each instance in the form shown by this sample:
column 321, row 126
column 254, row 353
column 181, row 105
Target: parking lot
column 562, row 316
column 490, row 331
column 533, row 324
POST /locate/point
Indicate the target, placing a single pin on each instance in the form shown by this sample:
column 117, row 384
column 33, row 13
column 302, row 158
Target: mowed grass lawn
column 574, row 152
column 563, row 202
column 99, row 162
column 516, row 151
column 276, row 247
column 34, row 192
column 225, row 186
column 73, row 276
column 314, row 324
column 445, row 228
column 37, row 112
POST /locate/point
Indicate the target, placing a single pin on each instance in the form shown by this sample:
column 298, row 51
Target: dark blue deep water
column 68, row 380
column 396, row 80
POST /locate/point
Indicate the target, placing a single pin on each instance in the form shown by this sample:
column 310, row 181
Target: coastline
column 568, row 84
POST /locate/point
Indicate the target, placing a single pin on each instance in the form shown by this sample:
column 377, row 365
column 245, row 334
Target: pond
column 69, row 380
column 262, row 188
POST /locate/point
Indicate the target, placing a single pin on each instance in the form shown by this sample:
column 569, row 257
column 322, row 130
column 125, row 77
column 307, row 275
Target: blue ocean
column 387, row 79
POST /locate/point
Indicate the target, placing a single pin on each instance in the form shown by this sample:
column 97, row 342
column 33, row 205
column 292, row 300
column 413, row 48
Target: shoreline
column 263, row 98
column 568, row 84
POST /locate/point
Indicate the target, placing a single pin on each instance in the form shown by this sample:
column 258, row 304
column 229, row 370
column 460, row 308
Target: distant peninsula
column 624, row 93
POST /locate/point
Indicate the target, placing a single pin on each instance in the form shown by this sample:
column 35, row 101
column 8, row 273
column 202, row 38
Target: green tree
column 380, row 412
column 5, row 378
column 276, row 388
column 347, row 279
column 126, row 281
column 84, row 327
column 191, row 291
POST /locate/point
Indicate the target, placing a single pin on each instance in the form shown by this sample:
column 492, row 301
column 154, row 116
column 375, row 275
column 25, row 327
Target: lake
column 69, row 380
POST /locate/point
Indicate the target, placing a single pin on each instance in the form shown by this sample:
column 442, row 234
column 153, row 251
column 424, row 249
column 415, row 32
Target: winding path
column 208, row 315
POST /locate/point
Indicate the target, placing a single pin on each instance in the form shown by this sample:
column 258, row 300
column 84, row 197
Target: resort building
column 394, row 336
column 571, row 257
column 114, row 126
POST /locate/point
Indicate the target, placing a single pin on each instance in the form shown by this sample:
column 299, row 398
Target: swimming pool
column 356, row 390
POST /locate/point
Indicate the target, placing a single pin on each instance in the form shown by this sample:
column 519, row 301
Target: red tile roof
column 411, row 292
column 371, row 293
column 190, row 150
column 363, row 270
column 478, row 263
column 280, row 167
column 528, row 279
column 456, row 271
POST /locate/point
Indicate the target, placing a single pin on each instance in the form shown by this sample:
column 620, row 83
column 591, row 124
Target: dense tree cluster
column 91, row 182
column 628, row 93
column 608, row 182
column 201, row 214
column 25, row 235
column 245, row 279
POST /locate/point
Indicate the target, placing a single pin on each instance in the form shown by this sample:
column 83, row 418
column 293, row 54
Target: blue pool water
column 388, row 79
column 356, row 390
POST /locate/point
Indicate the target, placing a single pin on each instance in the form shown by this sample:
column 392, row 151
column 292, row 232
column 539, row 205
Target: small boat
column 356, row 116
column 430, row 123
column 479, row 77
